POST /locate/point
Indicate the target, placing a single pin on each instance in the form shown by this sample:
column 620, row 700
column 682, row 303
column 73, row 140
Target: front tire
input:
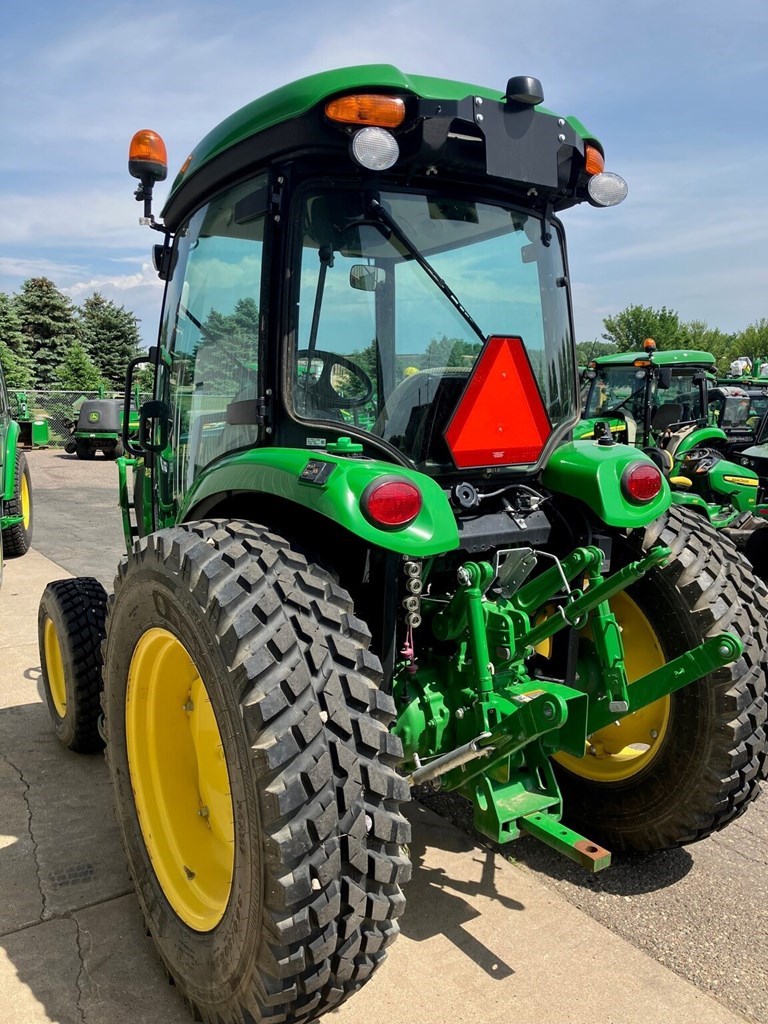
column 70, row 630
column 17, row 539
column 691, row 762
column 254, row 773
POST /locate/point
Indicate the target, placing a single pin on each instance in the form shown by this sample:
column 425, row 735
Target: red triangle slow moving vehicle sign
column 500, row 419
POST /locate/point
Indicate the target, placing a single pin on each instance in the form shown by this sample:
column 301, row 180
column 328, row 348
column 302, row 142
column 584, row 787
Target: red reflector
column 641, row 481
column 500, row 419
column 390, row 503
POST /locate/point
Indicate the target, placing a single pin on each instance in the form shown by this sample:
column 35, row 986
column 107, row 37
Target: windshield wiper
column 378, row 211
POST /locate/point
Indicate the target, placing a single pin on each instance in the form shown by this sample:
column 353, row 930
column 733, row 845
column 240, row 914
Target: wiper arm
column 381, row 214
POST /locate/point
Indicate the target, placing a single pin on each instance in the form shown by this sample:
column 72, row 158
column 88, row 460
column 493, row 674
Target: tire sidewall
column 64, row 726
column 197, row 955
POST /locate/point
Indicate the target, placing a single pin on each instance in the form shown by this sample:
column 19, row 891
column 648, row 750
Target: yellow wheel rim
column 26, row 504
column 54, row 667
column 620, row 751
column 179, row 777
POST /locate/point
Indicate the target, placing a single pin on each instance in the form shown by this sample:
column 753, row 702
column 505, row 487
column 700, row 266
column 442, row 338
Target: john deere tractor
column 15, row 485
column 667, row 404
column 364, row 553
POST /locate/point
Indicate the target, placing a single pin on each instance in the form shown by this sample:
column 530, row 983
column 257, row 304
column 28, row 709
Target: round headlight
column 375, row 148
column 607, row 189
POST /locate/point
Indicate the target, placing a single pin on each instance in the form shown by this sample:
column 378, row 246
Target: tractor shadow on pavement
column 627, row 875
column 449, row 870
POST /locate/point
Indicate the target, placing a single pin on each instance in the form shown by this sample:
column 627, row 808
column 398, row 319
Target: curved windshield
column 397, row 294
column 622, row 389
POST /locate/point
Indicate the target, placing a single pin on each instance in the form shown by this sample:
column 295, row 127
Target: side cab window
column 210, row 334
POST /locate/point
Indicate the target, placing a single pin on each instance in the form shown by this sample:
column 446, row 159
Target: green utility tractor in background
column 15, row 485
column 666, row 404
column 365, row 555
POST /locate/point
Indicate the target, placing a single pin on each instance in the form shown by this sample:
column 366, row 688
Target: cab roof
column 672, row 357
column 293, row 100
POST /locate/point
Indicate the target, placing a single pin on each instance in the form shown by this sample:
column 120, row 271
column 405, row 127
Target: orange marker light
column 147, row 155
column 649, row 345
column 594, row 161
column 381, row 111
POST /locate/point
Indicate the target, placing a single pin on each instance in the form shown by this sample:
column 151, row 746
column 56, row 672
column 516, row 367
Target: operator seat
column 418, row 410
column 666, row 415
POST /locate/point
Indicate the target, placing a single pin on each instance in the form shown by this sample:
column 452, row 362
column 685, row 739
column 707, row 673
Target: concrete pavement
column 483, row 940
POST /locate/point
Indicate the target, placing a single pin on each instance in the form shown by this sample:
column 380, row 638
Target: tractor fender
column 592, row 473
column 9, row 463
column 333, row 487
column 698, row 438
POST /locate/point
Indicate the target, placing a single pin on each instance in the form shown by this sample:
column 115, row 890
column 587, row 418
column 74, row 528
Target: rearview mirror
column 665, row 377
column 365, row 278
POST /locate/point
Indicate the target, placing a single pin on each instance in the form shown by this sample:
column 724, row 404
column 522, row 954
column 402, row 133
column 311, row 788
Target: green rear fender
column 278, row 472
column 699, row 437
column 592, row 473
column 9, row 464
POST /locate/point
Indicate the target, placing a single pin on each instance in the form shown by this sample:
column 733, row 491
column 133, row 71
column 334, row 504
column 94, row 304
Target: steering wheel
column 702, row 459
column 321, row 392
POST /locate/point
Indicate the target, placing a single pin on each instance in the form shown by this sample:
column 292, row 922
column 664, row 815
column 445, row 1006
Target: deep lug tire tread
column 17, row 539
column 721, row 593
column 77, row 607
column 317, row 727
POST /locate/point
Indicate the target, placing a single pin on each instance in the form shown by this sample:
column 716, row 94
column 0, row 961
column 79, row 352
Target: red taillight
column 641, row 482
column 391, row 504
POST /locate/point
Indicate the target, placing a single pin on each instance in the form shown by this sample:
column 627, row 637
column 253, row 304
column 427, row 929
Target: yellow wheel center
column 626, row 747
column 179, row 777
column 55, row 668
column 26, row 504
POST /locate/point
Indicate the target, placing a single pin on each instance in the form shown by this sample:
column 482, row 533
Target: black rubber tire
column 77, row 609
column 83, row 450
column 70, row 447
column 709, row 765
column 17, row 539
column 304, row 726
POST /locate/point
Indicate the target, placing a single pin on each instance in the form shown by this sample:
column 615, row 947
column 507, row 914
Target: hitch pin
column 453, row 759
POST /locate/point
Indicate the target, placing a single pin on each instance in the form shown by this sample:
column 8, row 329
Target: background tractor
column 15, row 485
column 666, row 403
column 365, row 555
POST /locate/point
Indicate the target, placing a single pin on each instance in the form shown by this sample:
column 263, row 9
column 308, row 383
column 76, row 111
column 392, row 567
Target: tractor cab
column 648, row 398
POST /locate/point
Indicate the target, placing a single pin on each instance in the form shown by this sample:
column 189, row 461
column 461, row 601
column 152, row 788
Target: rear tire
column 306, row 895
column 70, row 630
column 17, row 539
column 709, row 761
column 83, row 450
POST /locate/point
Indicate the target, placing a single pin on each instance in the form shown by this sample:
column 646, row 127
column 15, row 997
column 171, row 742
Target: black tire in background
column 709, row 764
column 83, row 450
column 17, row 539
column 314, row 884
column 70, row 629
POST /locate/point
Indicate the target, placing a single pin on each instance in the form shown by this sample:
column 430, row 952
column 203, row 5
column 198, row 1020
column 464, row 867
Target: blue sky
column 676, row 91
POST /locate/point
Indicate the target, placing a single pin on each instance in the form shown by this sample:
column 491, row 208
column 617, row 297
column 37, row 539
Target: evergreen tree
column 14, row 354
column 77, row 371
column 48, row 324
column 110, row 336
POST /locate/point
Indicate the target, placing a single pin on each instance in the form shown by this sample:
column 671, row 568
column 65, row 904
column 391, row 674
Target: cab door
column 209, row 367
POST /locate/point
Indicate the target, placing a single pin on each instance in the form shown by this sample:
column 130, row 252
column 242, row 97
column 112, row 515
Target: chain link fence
column 57, row 408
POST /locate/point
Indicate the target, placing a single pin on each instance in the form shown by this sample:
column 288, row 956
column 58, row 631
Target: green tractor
column 15, row 485
column 666, row 404
column 365, row 555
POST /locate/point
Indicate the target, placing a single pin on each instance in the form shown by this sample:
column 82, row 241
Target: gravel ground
column 701, row 911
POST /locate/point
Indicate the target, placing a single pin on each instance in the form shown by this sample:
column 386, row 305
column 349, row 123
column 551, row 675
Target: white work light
column 607, row 189
column 375, row 148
